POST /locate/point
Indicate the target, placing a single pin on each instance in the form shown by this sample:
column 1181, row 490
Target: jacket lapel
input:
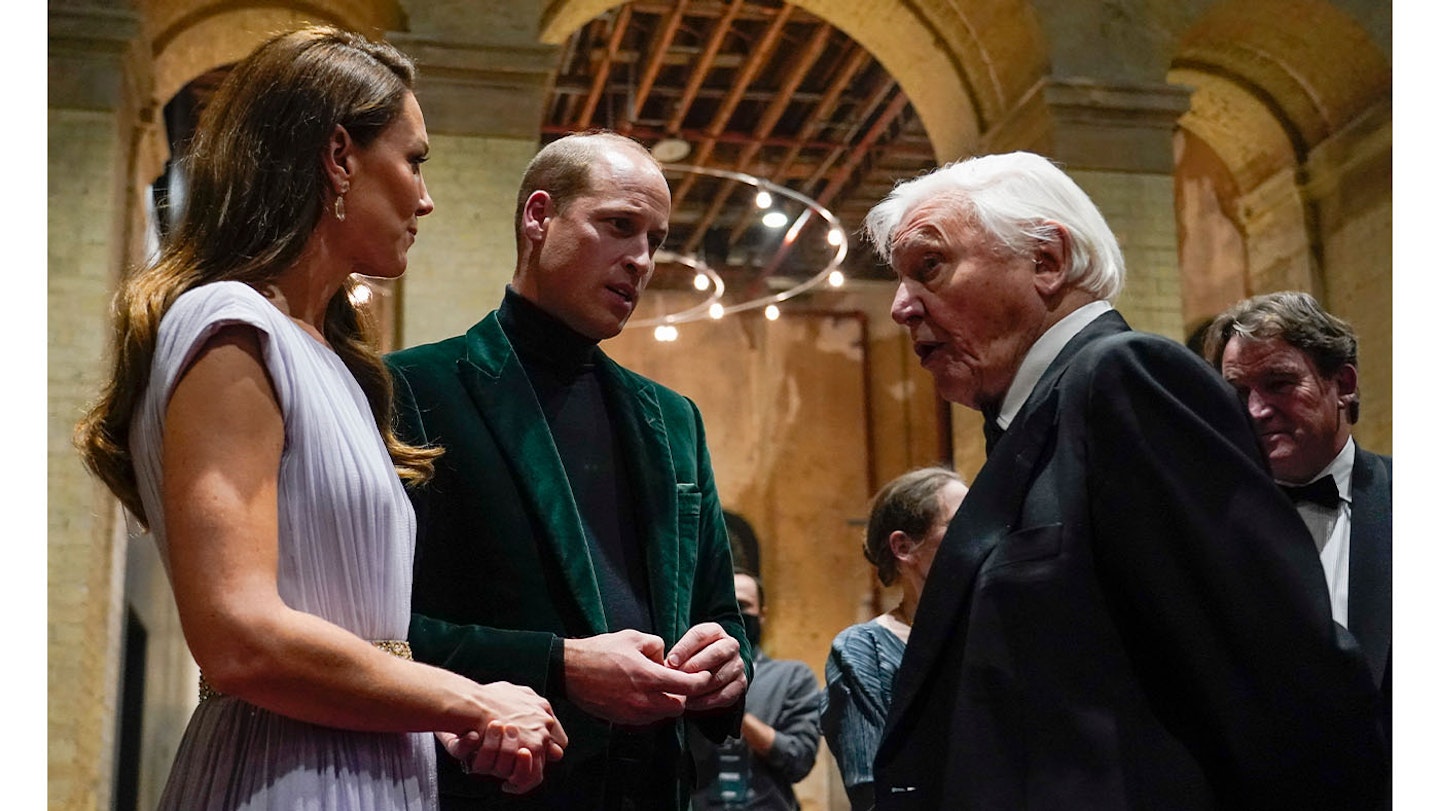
column 495, row 380
column 1370, row 559
column 984, row 518
column 641, row 431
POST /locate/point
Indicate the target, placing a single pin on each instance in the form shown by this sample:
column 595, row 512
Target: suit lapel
column 984, row 518
column 641, row 431
column 495, row 380
column 1370, row 559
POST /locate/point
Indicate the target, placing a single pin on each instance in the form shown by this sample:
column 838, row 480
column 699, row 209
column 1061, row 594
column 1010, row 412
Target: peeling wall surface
column 1236, row 147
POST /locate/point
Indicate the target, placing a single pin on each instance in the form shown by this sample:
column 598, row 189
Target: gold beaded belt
column 394, row 647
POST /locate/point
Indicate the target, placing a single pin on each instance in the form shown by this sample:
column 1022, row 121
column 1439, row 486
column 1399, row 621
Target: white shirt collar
column 1042, row 353
column 1341, row 467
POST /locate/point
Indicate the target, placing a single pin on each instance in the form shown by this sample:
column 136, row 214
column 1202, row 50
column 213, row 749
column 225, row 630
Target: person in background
column 1125, row 611
column 246, row 423
column 779, row 734
column 572, row 539
column 1294, row 366
column 908, row 517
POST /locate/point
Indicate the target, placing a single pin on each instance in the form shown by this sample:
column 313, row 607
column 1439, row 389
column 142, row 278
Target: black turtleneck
column 560, row 364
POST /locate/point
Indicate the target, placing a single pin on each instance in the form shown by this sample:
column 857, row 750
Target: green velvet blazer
column 502, row 571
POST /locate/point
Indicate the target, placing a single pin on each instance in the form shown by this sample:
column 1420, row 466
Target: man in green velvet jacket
column 572, row 539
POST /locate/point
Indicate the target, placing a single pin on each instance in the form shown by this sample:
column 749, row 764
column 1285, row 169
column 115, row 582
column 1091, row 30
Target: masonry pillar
column 98, row 87
column 1116, row 141
column 1348, row 186
column 483, row 81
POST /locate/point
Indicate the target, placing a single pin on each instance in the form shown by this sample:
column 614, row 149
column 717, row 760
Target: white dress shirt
column 1042, row 353
column 1331, row 531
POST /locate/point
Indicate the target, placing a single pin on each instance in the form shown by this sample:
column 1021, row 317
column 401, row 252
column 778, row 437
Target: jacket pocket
column 1030, row 544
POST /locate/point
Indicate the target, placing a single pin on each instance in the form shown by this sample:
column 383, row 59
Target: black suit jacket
column 1127, row 613
column 502, row 569
column 1370, row 569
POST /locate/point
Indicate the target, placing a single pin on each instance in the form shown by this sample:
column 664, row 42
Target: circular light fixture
column 702, row 282
column 669, row 150
column 712, row 304
column 763, row 199
column 836, row 278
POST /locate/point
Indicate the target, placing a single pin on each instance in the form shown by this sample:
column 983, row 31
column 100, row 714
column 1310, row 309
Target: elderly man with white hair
column 1125, row 611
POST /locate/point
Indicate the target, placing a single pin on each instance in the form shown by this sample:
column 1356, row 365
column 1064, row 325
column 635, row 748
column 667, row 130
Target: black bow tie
column 1322, row 491
column 991, row 429
column 993, row 432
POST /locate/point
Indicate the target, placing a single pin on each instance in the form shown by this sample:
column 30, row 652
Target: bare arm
column 222, row 443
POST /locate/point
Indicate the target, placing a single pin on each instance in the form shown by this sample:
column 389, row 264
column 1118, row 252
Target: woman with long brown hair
column 246, row 423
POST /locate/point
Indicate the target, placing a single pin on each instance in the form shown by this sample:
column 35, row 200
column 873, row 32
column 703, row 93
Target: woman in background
column 246, row 423
column 908, row 518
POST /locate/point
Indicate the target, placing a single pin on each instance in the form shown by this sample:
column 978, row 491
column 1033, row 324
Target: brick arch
column 992, row 54
column 188, row 38
column 1291, row 110
column 1272, row 80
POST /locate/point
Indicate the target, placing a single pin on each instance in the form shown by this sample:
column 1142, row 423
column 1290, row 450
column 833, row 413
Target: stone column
column 98, row 91
column 1348, row 186
column 1116, row 141
column 483, row 80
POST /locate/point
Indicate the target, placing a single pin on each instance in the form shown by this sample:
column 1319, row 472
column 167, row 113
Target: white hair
column 1015, row 198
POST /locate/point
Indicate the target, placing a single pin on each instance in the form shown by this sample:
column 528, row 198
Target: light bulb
column 702, row 282
column 716, row 310
column 772, row 312
column 836, row 278
column 775, row 219
column 835, row 237
column 763, row 199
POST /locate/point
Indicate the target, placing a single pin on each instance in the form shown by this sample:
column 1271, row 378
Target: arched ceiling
column 1301, row 66
column 835, row 99
column 189, row 37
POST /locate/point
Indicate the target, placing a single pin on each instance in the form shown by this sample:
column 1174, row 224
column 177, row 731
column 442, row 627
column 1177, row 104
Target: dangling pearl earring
column 340, row 202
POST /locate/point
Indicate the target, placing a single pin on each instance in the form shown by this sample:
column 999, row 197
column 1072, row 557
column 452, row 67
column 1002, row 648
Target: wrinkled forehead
column 1249, row 355
column 947, row 218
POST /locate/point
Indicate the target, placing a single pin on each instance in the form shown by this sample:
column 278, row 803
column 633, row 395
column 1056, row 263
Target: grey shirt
column 785, row 695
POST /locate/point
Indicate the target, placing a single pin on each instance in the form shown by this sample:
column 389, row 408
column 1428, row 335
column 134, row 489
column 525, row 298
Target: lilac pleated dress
column 347, row 535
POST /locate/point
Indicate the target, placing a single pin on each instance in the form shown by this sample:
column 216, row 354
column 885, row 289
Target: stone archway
column 984, row 77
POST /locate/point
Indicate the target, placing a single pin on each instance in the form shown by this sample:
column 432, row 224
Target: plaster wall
column 85, row 208
column 465, row 253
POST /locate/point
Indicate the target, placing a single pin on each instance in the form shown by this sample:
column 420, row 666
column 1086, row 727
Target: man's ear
column 1347, row 388
column 337, row 160
column 901, row 545
column 535, row 215
column 1052, row 259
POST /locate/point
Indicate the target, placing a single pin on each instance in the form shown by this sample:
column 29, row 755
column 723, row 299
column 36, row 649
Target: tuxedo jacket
column 1370, row 569
column 1126, row 612
column 502, row 569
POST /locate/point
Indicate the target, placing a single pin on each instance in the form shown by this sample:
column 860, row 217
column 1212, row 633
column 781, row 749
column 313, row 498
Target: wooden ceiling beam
column 857, row 155
column 655, row 61
column 777, row 107
column 701, row 67
column 759, row 57
column 602, row 72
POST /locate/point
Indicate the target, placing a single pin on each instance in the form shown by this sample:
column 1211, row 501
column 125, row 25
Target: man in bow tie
column 1294, row 367
column 1124, row 612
